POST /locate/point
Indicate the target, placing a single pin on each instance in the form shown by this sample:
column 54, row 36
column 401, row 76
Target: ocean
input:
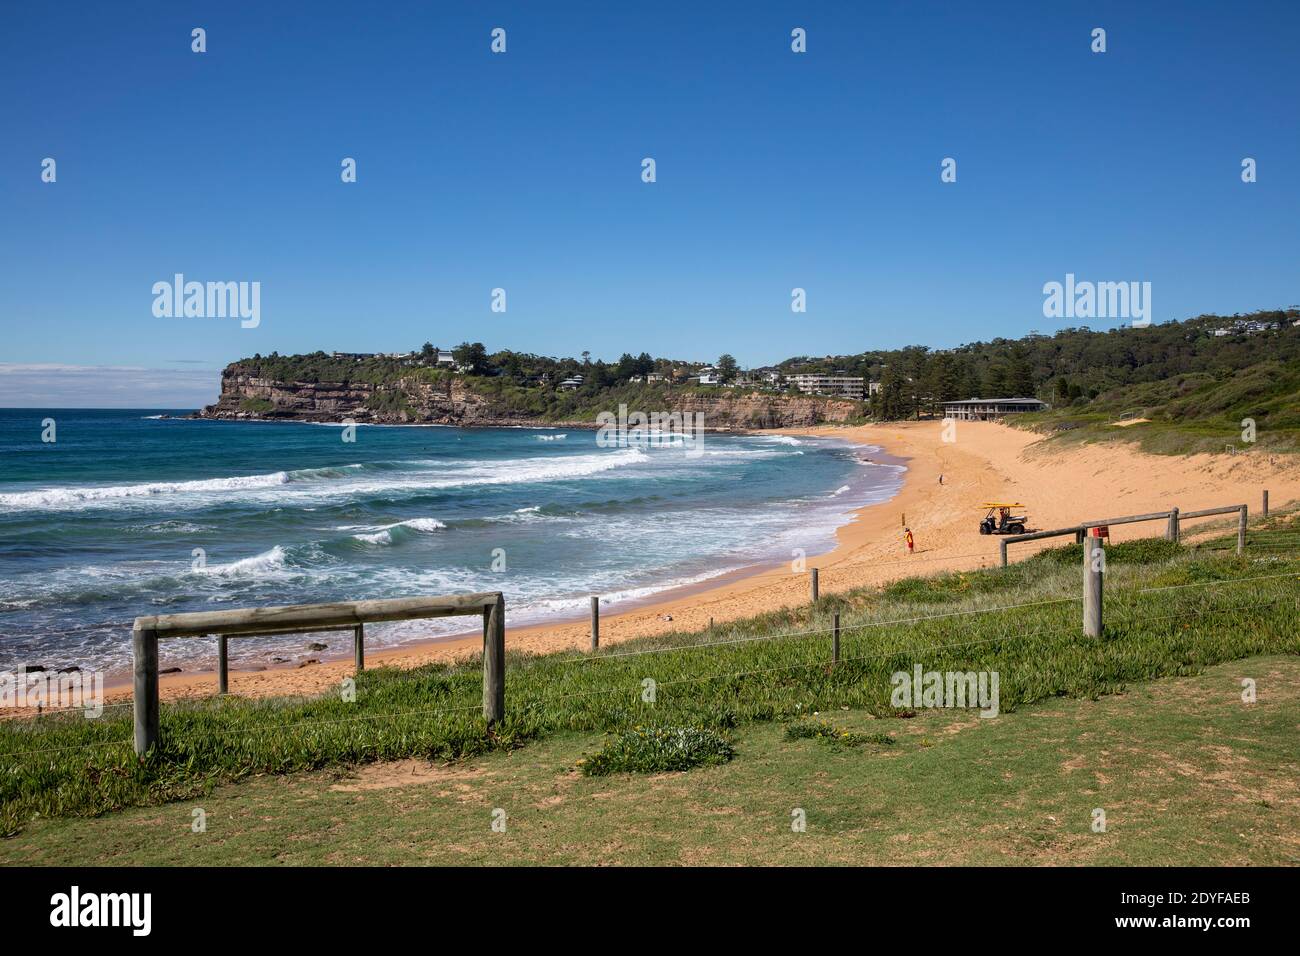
column 129, row 512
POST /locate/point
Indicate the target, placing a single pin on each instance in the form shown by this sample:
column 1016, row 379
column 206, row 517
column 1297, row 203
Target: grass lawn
column 1185, row 771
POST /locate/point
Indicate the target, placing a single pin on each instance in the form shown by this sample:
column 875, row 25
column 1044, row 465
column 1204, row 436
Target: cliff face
column 244, row 396
column 454, row 402
column 762, row 411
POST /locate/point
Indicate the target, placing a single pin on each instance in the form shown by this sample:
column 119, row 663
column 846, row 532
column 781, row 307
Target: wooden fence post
column 1264, row 513
column 835, row 640
column 595, row 623
column 813, row 571
column 1094, row 564
column 1241, row 531
column 359, row 647
column 494, row 661
column 145, row 646
column 1002, row 545
column 1174, row 531
column 223, row 664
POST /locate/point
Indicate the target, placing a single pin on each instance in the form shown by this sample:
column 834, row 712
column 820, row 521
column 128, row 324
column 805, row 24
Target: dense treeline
column 1069, row 368
column 520, row 368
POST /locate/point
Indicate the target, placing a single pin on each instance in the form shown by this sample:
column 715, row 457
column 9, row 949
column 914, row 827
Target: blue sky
column 522, row 171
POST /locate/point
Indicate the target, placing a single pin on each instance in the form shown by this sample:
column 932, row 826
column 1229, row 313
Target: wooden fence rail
column 1173, row 531
column 310, row 619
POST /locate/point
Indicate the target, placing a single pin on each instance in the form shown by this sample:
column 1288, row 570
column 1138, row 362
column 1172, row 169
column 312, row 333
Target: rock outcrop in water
column 455, row 400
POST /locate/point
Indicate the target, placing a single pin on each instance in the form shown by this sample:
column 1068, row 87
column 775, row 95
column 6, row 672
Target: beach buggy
column 1000, row 520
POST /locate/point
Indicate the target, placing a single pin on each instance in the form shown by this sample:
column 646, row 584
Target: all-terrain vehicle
column 1000, row 520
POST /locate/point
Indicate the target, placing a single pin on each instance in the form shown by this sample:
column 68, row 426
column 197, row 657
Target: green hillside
column 1200, row 411
column 1195, row 380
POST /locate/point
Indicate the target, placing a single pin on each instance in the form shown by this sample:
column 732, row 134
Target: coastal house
column 438, row 359
column 654, row 377
column 574, row 381
column 839, row 386
column 1246, row 327
column 987, row 409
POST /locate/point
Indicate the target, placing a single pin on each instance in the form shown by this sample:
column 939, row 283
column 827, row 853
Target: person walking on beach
column 911, row 544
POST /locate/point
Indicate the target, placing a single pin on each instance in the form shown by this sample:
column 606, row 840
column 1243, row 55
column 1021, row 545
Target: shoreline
column 989, row 461
column 469, row 642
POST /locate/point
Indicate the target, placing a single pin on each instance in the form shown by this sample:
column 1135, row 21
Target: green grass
column 658, row 749
column 834, row 736
column 1022, row 622
column 1186, row 773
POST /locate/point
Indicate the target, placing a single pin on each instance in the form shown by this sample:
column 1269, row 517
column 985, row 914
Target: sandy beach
column 988, row 461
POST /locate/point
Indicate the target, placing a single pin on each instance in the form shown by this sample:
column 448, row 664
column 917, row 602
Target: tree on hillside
column 940, row 382
column 472, row 357
column 727, row 368
column 995, row 381
column 893, row 402
column 1020, row 377
column 599, row 375
column 428, row 352
column 969, row 383
column 510, row 365
column 626, row 367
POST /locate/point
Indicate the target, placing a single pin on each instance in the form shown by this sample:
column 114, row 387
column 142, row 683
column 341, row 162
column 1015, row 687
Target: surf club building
column 986, row 409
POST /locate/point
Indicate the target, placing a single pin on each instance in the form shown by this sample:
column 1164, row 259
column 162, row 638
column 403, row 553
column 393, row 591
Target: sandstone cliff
column 456, row 401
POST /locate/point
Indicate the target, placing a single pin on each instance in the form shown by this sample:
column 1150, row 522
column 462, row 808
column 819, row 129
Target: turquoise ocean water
column 129, row 513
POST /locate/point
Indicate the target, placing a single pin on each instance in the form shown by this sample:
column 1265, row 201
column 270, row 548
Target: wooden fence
column 1173, row 529
column 311, row 619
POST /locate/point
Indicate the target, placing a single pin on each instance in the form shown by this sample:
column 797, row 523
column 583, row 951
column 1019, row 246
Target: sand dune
column 988, row 461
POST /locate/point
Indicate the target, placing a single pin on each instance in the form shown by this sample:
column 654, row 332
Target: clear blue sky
column 522, row 171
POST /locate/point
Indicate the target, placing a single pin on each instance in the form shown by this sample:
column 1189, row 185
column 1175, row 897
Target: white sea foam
column 267, row 561
column 531, row 470
column 345, row 480
column 56, row 498
column 384, row 533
